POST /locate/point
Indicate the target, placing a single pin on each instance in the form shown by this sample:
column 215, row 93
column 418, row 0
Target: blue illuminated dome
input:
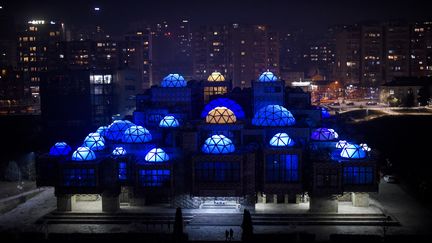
column 102, row 130
column 267, row 77
column 225, row 102
column 273, row 115
column 324, row 134
column 169, row 121
column 118, row 151
column 156, row 155
column 353, row 151
column 83, row 154
column 221, row 115
column 281, row 140
column 218, row 144
column 94, row 141
column 116, row 130
column 341, row 144
column 174, row 81
column 60, row 149
column 136, row 134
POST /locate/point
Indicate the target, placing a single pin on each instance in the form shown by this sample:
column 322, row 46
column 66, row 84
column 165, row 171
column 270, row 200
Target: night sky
column 314, row 15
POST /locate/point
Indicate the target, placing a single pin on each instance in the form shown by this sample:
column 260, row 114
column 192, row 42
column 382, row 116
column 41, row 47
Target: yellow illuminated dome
column 216, row 77
column 221, row 115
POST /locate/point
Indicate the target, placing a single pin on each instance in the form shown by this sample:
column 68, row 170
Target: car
column 335, row 103
column 350, row 103
column 390, row 179
column 371, row 103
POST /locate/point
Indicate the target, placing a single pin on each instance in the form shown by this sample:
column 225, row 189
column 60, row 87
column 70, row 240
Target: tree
column 178, row 226
column 247, row 227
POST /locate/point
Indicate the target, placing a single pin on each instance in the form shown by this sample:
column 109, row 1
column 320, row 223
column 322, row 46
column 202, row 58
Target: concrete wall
column 360, row 199
column 323, row 204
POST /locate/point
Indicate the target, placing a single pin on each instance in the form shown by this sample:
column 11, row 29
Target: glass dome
column 83, row 154
column 365, row 147
column 102, row 130
column 117, row 129
column 118, row 151
column 136, row 134
column 218, row 144
column 174, row 81
column 324, row 134
column 94, row 141
column 224, row 102
column 353, row 151
column 216, row 77
column 169, row 121
column 281, row 140
column 156, row 155
column 273, row 115
column 267, row 77
column 341, row 144
column 221, row 115
column 60, row 149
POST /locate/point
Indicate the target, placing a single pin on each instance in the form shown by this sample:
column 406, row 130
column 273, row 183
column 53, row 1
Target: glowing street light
column 97, row 9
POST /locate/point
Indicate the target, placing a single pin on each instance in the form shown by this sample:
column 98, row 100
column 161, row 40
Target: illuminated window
column 280, row 168
column 154, row 178
column 354, row 175
column 79, row 177
column 122, row 170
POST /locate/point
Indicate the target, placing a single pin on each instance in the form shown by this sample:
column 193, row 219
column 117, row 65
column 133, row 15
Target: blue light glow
column 169, row 121
column 221, row 115
column 136, row 134
column 273, row 115
column 60, row 149
column 281, row 140
column 324, row 134
column 225, row 102
column 267, row 77
column 83, row 154
column 102, row 130
column 117, row 129
column 353, row 151
column 218, row 144
column 174, row 81
column 341, row 144
column 119, row 151
column 324, row 113
column 156, row 155
column 94, row 141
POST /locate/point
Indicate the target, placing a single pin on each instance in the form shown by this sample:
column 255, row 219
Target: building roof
column 324, row 134
column 83, row 154
column 221, row 115
column 216, row 77
column 169, row 121
column 267, row 77
column 281, row 140
column 156, row 155
column 218, row 144
column 225, row 102
column 60, row 149
column 136, row 134
column 273, row 115
column 174, row 81
column 353, row 151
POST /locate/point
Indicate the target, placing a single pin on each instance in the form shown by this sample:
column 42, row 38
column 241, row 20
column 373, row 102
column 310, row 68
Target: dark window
column 358, row 175
column 79, row 177
column 282, row 168
column 122, row 173
column 154, row 178
column 327, row 177
column 217, row 171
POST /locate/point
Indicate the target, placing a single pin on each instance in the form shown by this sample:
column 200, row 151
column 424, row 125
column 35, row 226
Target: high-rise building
column 421, row 49
column 397, row 53
column 137, row 55
column 348, row 56
column 240, row 52
column 38, row 52
column 371, row 52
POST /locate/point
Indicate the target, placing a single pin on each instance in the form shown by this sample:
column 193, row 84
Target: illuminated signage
column 36, row 22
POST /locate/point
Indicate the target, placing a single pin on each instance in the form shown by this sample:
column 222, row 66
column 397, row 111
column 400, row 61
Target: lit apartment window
column 52, row 33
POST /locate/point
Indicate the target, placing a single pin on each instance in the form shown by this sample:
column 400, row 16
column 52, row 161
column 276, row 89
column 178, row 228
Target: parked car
column 371, row 103
column 335, row 103
column 350, row 103
column 390, row 179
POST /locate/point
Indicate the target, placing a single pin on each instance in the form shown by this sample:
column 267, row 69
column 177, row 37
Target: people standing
column 226, row 235
column 231, row 233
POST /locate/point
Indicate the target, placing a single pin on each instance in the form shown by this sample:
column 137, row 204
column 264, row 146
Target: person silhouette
column 231, row 233
column 226, row 235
